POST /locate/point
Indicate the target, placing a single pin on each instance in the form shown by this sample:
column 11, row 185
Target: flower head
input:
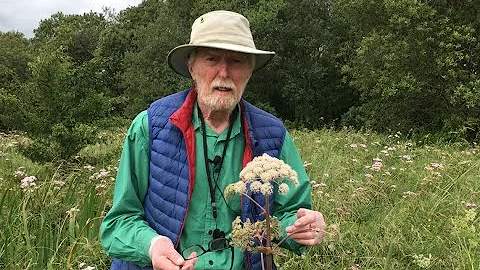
column 283, row 188
column 268, row 169
column 28, row 184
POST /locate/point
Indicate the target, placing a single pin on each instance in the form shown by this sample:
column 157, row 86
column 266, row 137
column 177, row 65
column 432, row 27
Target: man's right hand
column 165, row 257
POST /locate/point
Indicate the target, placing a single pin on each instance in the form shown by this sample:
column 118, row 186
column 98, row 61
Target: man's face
column 220, row 77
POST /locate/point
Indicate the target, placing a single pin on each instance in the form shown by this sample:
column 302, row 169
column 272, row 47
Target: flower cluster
column 20, row 172
column 377, row 165
column 434, row 166
column 84, row 266
column 103, row 177
column 242, row 233
column 422, row 261
column 259, row 175
column 101, row 174
column 28, row 184
column 72, row 211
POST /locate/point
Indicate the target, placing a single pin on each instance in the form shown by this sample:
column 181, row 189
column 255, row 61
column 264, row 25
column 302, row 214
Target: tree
column 14, row 55
column 77, row 34
column 416, row 67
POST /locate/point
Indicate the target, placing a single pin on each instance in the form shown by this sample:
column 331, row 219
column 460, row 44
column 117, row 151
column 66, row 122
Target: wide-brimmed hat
column 221, row 30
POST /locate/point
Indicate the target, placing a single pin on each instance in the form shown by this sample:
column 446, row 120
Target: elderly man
column 168, row 209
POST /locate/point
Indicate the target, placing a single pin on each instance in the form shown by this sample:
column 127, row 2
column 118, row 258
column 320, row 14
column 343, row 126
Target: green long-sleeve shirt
column 126, row 235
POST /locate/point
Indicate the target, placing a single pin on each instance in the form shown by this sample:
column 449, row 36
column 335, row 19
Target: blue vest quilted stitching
column 167, row 198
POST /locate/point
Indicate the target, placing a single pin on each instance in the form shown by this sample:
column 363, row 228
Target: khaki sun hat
column 221, row 30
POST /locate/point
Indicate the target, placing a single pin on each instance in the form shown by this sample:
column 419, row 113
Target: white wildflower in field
column 318, row 185
column 437, row 166
column 434, row 166
column 72, row 211
column 469, row 205
column 306, row 164
column 408, row 194
column 89, row 167
column 385, row 152
column 369, row 176
column 377, row 165
column 101, row 174
column 422, row 261
column 357, row 145
column 57, row 184
column 28, row 184
column 20, row 173
column 407, row 158
column 83, row 266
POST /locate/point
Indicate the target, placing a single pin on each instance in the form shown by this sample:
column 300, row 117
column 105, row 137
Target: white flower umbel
column 267, row 169
column 261, row 176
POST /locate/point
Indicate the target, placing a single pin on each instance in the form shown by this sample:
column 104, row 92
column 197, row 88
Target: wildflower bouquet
column 262, row 175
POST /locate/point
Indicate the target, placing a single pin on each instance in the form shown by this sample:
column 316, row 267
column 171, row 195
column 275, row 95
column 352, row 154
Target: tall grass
column 390, row 203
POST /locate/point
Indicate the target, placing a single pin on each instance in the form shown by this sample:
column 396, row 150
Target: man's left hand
column 308, row 229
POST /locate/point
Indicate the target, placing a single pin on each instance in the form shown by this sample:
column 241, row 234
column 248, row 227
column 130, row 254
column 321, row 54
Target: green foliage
column 77, row 34
column 63, row 100
column 416, row 68
column 147, row 76
column 11, row 113
column 14, row 55
column 406, row 65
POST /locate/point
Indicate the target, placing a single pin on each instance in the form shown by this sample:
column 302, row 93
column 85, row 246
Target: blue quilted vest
column 172, row 177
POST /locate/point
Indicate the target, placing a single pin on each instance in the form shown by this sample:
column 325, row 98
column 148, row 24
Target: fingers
column 168, row 263
column 164, row 256
column 189, row 264
column 308, row 229
column 306, row 216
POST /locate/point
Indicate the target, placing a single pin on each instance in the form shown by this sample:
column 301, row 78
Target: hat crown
column 222, row 27
column 219, row 29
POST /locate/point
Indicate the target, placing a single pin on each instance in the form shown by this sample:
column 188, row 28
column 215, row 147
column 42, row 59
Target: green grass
column 416, row 210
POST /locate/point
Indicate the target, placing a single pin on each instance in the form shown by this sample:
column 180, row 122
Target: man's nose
column 223, row 68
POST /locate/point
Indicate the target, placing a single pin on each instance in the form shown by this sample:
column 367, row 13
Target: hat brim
column 177, row 58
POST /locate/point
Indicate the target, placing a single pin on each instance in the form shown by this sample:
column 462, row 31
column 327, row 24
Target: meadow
column 389, row 202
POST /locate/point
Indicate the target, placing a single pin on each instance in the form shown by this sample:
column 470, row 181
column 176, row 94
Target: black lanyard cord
column 216, row 161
